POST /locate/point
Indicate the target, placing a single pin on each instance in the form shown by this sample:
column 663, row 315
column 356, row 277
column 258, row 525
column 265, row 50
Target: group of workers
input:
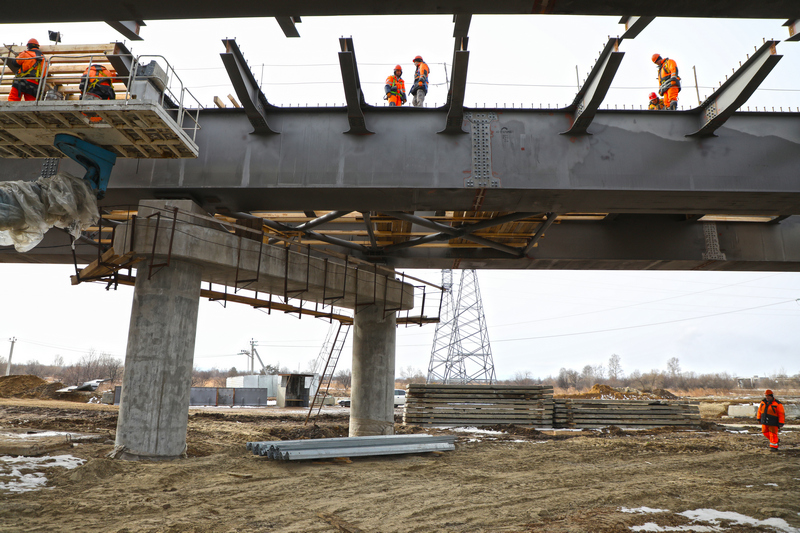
column 29, row 68
column 669, row 84
column 395, row 88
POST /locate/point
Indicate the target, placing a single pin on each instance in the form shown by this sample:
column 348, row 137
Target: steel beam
column 794, row 29
column 551, row 217
column 458, row 86
column 287, row 24
column 370, row 229
column 58, row 11
column 253, row 101
column 721, row 105
column 333, row 215
column 128, row 28
column 461, row 25
column 634, row 26
column 353, row 94
column 591, row 94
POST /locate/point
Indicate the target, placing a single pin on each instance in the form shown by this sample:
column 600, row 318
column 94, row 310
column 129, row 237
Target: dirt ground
column 520, row 480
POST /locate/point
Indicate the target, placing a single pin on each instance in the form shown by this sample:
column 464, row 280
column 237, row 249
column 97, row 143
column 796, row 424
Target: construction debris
column 298, row 450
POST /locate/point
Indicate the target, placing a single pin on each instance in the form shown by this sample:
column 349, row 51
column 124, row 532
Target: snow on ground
column 713, row 518
column 15, row 475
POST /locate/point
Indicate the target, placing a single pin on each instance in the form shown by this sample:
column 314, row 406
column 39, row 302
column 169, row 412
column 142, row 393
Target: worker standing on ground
column 97, row 83
column 395, row 88
column 420, row 88
column 772, row 417
column 28, row 67
column 656, row 103
column 670, row 82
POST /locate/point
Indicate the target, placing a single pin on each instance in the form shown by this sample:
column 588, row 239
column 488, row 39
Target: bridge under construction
column 322, row 205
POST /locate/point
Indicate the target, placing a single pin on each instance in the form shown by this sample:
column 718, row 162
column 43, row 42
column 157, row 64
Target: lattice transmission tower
column 461, row 352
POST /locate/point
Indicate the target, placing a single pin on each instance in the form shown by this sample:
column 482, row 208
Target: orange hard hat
column 33, row 41
column 656, row 57
column 418, row 58
column 653, row 96
column 767, row 392
column 398, row 67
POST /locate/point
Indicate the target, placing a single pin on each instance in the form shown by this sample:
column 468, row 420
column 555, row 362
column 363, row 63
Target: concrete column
column 372, row 395
column 154, row 407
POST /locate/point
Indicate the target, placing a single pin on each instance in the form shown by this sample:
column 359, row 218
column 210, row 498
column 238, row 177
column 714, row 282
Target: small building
column 255, row 381
column 295, row 390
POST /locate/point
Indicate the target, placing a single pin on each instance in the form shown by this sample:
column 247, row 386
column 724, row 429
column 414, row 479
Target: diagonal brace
column 592, row 93
column 463, row 232
column 353, row 94
column 458, row 87
column 634, row 26
column 724, row 102
column 244, row 83
column 551, row 217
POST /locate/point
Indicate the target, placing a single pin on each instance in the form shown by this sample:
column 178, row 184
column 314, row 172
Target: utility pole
column 8, row 366
column 253, row 356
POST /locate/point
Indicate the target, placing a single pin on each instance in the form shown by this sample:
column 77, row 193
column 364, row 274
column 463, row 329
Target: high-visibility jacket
column 771, row 413
column 31, row 65
column 96, row 75
column 656, row 104
column 421, row 76
column 396, row 89
column 667, row 71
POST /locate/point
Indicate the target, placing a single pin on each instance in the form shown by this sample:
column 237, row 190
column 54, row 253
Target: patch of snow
column 472, row 429
column 651, row 526
column 642, row 510
column 742, row 431
column 13, row 480
column 34, row 435
column 770, row 484
column 713, row 516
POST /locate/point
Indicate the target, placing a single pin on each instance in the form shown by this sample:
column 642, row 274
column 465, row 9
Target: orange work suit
column 395, row 88
column 772, row 416
column 97, row 83
column 26, row 81
column 667, row 70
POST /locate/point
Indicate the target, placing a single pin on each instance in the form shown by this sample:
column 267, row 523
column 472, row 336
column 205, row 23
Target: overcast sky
column 539, row 321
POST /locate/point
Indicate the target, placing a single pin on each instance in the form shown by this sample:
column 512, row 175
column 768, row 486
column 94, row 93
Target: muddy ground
column 517, row 481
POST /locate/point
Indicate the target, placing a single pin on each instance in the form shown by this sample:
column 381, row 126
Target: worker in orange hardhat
column 670, row 82
column 772, row 417
column 420, row 88
column 395, row 88
column 97, row 83
column 655, row 102
column 28, row 68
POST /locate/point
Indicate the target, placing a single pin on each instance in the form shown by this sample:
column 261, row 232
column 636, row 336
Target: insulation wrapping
column 29, row 208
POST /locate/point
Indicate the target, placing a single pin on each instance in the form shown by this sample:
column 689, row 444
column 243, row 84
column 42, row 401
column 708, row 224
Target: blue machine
column 97, row 161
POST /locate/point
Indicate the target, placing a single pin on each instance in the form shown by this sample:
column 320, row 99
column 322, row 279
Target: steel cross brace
column 244, row 83
column 594, row 90
column 287, row 24
column 724, row 102
column 353, row 94
column 463, row 232
column 634, row 26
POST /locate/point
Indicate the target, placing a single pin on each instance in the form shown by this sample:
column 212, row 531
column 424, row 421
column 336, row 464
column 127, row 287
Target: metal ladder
column 334, row 343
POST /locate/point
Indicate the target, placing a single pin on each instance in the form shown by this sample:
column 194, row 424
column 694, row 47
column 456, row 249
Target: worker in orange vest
column 420, row 88
column 97, row 83
column 28, row 68
column 670, row 82
column 395, row 88
column 772, row 417
column 656, row 103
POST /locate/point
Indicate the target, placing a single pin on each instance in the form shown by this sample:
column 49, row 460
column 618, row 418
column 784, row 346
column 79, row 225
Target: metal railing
column 171, row 93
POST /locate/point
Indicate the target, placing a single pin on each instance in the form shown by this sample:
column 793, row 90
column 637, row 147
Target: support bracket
column 128, row 28
column 458, row 86
column 592, row 93
column 352, row 88
column 724, row 102
column 253, row 101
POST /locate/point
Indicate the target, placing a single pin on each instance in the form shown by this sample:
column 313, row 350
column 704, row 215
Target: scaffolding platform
column 128, row 128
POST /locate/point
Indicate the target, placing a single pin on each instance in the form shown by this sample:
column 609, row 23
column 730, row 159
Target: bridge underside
column 53, row 11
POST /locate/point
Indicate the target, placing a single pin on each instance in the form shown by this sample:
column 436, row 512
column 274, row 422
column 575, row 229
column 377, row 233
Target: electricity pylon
column 461, row 350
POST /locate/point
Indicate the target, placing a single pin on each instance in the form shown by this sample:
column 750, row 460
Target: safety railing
column 61, row 77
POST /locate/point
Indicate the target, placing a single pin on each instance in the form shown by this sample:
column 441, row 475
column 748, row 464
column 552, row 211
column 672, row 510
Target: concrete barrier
column 749, row 411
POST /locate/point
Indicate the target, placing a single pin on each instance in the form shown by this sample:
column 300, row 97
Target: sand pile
column 27, row 387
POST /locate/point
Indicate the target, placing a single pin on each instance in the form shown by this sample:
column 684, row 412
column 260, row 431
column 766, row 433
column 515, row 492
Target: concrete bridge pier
column 372, row 391
column 158, row 362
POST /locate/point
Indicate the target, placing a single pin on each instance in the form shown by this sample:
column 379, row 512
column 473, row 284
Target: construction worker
column 395, row 88
column 669, row 81
column 97, row 83
column 656, row 103
column 420, row 88
column 772, row 417
column 28, row 68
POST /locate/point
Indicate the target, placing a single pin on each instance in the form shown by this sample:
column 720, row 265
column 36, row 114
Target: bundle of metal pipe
column 298, row 450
